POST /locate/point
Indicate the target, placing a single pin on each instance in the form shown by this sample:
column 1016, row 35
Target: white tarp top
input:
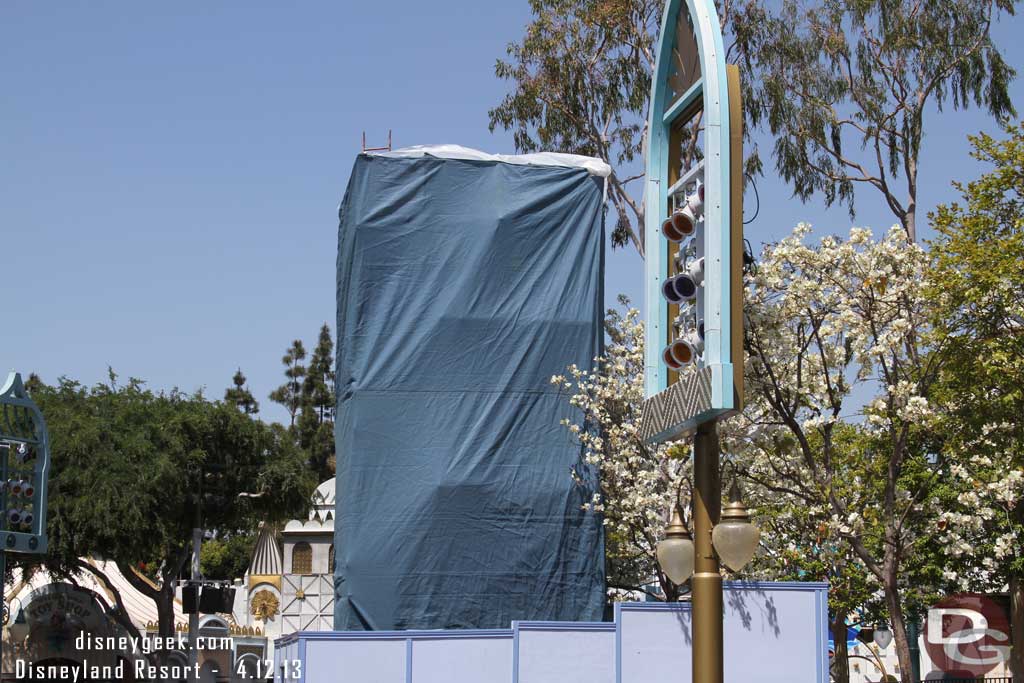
column 594, row 166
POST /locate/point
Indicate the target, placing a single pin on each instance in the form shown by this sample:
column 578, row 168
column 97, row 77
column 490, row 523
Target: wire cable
column 756, row 196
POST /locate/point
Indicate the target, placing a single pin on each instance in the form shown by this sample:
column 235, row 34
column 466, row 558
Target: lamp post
column 707, row 577
column 875, row 638
column 697, row 378
column 728, row 535
column 876, row 661
column 915, row 648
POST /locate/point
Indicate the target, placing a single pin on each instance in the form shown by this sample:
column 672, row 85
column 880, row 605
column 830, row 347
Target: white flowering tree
column 838, row 427
column 834, row 444
column 639, row 483
column 799, row 542
column 981, row 521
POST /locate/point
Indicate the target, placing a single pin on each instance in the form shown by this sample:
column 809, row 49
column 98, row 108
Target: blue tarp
column 463, row 286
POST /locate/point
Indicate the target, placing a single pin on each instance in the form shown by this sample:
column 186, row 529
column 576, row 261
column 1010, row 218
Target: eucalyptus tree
column 580, row 83
column 845, row 88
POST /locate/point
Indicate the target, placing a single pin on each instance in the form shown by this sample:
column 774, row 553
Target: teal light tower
column 24, row 468
column 694, row 294
column 694, row 228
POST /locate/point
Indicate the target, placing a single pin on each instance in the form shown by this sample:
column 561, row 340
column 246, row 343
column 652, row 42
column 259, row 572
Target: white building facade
column 289, row 585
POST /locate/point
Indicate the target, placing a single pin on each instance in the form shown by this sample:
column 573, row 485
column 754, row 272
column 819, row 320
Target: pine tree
column 315, row 424
column 319, row 386
column 289, row 394
column 240, row 395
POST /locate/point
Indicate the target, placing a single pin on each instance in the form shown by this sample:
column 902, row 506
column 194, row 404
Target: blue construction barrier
column 774, row 633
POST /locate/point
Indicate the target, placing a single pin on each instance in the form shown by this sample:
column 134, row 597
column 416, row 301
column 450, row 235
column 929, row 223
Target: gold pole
column 707, row 580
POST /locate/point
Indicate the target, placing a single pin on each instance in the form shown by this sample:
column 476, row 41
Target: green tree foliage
column 289, row 394
column 979, row 281
column 978, row 284
column 240, row 396
column 131, row 466
column 844, row 87
column 227, row 557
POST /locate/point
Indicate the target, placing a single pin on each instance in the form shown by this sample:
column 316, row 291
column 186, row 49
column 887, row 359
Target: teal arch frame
column 713, row 87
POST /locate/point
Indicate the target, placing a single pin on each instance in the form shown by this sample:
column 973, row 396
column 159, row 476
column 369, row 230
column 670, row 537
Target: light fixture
column 679, row 289
column 695, row 269
column 682, row 286
column 682, row 352
column 734, row 537
column 683, row 222
column 668, row 229
column 696, row 341
column 211, row 599
column 685, row 253
column 883, row 636
column 669, row 358
column 675, row 551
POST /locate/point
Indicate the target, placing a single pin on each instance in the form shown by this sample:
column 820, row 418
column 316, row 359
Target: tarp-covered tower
column 465, row 281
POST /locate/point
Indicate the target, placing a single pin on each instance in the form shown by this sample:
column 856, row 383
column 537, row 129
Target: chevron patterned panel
column 670, row 413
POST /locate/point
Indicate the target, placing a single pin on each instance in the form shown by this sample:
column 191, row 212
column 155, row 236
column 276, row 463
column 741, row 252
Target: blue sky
column 171, row 171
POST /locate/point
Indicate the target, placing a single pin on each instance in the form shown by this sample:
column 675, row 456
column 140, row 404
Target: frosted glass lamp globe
column 675, row 551
column 883, row 637
column 734, row 537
